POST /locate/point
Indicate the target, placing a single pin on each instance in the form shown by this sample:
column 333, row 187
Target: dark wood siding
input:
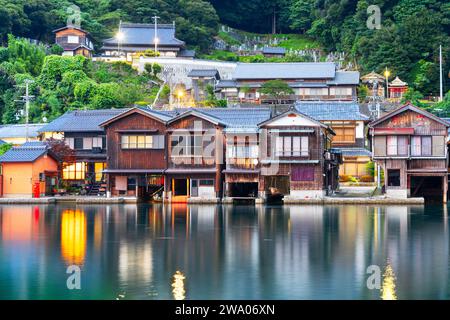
column 119, row 158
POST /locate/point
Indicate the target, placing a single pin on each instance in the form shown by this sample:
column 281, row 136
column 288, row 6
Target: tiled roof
column 184, row 53
column 353, row 152
column 23, row 154
column 226, row 84
column 34, row 144
column 81, row 120
column 237, row 117
column 332, row 110
column 274, row 50
column 19, row 130
column 136, row 34
column 294, row 70
column 212, row 73
column 345, row 77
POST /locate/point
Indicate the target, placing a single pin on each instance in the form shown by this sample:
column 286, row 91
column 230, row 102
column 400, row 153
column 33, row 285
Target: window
column 70, row 142
column 187, row 145
column 304, row 146
column 402, row 145
column 397, row 145
column 73, row 39
column 426, row 146
column 287, row 146
column 78, row 143
column 204, row 183
column 392, row 145
column 196, row 145
column 87, row 143
column 98, row 168
column 394, row 178
column 131, row 184
column 74, row 171
column 345, row 132
column 242, row 151
column 302, row 173
column 318, row 92
column 416, row 146
column 341, row 91
column 97, row 142
column 141, row 142
column 295, row 146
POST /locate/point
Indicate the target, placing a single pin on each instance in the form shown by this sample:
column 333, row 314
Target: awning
column 136, row 130
column 390, row 131
column 190, row 171
column 152, row 171
column 241, row 171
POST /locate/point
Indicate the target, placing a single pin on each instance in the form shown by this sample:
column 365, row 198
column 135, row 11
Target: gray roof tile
column 136, row 34
column 23, row 154
column 81, row 120
column 203, row 73
column 353, row 152
column 236, row 117
column 19, row 130
column 331, row 110
column 345, row 77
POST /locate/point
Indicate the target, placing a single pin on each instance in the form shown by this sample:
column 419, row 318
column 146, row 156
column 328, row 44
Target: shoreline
column 134, row 200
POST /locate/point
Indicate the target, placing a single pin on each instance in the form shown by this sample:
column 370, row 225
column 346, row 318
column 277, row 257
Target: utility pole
column 26, row 98
column 120, row 36
column 274, row 22
column 156, row 33
column 441, row 84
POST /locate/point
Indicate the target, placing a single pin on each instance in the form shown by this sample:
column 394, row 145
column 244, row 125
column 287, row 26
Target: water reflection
column 178, row 291
column 388, row 287
column 226, row 252
column 73, row 236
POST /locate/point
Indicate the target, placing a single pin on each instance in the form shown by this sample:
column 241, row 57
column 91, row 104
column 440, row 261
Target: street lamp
column 180, row 95
column 387, row 73
column 120, row 36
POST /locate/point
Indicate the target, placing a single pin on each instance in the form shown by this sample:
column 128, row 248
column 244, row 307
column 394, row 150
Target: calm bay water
column 223, row 252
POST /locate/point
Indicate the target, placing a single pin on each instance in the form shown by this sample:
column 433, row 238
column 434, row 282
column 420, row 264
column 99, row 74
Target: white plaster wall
column 292, row 121
column 359, row 130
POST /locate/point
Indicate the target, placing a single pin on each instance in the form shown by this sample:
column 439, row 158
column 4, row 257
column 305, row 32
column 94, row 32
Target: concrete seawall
column 131, row 200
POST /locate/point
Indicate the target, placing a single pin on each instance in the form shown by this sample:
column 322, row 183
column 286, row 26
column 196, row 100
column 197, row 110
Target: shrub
column 347, row 178
column 366, row 178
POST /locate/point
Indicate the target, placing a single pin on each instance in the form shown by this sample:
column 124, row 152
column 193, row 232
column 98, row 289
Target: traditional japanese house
column 30, row 170
column 81, row 131
column 350, row 127
column 308, row 80
column 242, row 138
column 195, row 157
column 74, row 41
column 18, row 134
column 410, row 145
column 295, row 160
column 137, row 155
column 139, row 37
